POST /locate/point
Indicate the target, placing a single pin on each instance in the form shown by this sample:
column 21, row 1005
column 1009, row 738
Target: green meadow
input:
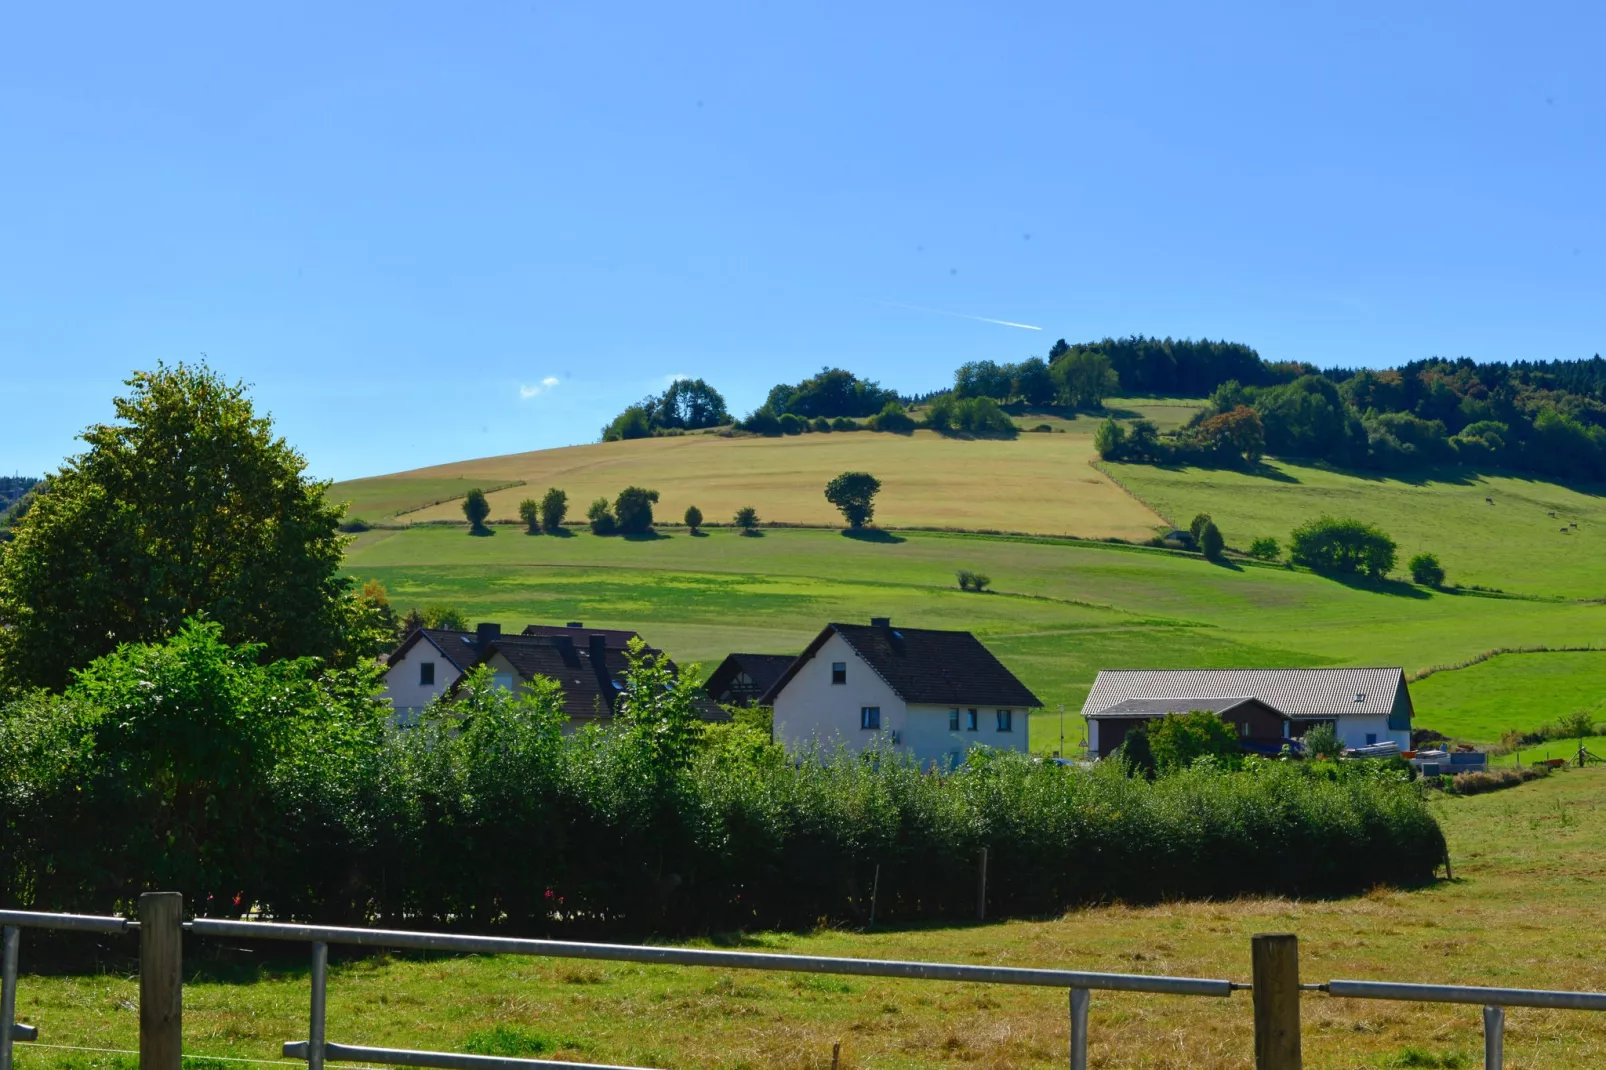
column 1059, row 610
column 1512, row 691
column 1509, row 532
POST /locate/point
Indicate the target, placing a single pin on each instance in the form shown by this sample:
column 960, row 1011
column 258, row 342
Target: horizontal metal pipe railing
column 440, row 1060
column 94, row 923
column 24, row 1032
column 741, row 960
column 1488, row 997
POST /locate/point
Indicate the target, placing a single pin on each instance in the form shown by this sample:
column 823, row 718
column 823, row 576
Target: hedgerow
column 190, row 766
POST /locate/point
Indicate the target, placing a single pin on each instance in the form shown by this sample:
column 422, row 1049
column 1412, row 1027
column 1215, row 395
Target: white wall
column 928, row 738
column 1353, row 730
column 811, row 707
column 406, row 694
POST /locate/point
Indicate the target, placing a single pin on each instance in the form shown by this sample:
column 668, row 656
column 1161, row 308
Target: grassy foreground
column 1521, row 911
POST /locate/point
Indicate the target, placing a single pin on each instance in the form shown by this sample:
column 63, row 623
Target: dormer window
column 839, row 672
column 426, row 674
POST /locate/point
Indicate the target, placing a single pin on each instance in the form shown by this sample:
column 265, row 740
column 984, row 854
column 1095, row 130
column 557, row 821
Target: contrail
column 963, row 316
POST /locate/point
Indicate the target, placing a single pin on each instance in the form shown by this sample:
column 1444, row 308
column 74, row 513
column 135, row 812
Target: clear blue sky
column 426, row 232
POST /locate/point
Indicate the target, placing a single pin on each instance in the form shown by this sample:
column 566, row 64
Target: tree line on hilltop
column 1547, row 417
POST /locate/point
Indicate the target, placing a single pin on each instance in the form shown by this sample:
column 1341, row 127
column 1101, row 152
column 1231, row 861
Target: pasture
column 1512, row 691
column 1499, row 531
column 1059, row 611
column 1528, row 864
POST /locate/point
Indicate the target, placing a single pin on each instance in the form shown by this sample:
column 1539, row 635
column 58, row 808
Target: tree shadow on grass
column 872, row 535
column 698, row 534
column 560, row 533
column 1397, row 588
column 481, row 532
column 645, row 536
column 1226, row 563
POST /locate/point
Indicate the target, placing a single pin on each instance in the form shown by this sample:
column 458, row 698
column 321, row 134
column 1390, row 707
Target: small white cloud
column 528, row 391
column 671, row 380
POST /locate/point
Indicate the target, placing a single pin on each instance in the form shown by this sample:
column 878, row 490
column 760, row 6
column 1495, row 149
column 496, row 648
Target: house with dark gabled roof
column 1366, row 706
column 743, row 679
column 589, row 665
column 933, row 694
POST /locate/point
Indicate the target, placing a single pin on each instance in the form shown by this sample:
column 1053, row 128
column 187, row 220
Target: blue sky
column 426, row 232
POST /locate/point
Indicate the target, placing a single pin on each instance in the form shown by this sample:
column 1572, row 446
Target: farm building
column 1365, row 706
column 932, row 694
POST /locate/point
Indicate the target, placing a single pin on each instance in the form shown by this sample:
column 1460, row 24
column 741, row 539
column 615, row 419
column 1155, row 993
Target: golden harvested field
column 1042, row 483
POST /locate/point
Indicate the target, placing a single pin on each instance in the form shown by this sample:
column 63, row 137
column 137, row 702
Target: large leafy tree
column 187, row 505
column 854, row 494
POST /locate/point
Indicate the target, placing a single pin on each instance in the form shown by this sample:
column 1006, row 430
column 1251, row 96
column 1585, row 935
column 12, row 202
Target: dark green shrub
column 1265, row 549
column 793, row 424
column 600, row 516
column 970, row 580
column 1426, row 570
column 892, row 418
column 1329, row 544
column 554, row 507
column 1322, row 741
column 762, row 421
column 844, row 423
column 530, row 513
column 633, row 510
column 1196, row 526
column 693, row 518
column 1177, row 741
column 746, row 519
column 1211, row 544
column 822, row 424
column 632, row 423
column 476, row 508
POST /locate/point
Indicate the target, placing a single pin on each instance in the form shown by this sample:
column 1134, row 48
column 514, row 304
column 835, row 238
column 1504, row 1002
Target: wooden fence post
column 981, row 887
column 161, row 980
column 1275, row 958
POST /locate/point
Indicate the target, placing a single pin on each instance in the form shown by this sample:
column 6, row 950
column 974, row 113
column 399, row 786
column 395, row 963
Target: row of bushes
column 191, row 766
column 944, row 414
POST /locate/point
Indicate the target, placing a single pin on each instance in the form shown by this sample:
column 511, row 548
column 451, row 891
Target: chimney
column 566, row 651
column 574, row 624
column 880, row 622
column 487, row 631
column 599, row 648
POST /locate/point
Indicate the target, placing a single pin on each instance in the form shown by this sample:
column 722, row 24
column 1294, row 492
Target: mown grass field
column 1506, row 692
column 1060, row 610
column 1515, row 544
column 1521, row 911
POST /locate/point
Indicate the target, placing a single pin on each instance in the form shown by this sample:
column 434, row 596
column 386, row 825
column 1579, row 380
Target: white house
column 931, row 694
column 1365, row 706
column 428, row 662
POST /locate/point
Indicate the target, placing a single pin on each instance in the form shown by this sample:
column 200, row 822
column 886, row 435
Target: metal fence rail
column 1274, row 958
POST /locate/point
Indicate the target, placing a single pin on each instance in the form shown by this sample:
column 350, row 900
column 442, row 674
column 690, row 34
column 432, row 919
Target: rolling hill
column 1060, row 609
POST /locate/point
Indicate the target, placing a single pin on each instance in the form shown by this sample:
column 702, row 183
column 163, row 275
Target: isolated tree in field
column 1344, row 546
column 1211, row 544
column 600, row 516
column 971, row 580
column 554, row 507
column 530, row 513
column 1426, row 570
column 1196, row 526
column 633, row 509
column 746, row 518
column 186, row 505
column 632, row 423
column 476, row 508
column 853, row 493
column 693, row 518
column 1110, row 440
column 1265, row 548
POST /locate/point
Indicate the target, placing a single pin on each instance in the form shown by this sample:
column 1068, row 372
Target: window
column 839, row 672
column 970, row 720
column 953, row 720
column 426, row 673
column 503, row 680
column 1371, row 738
column 870, row 718
column 1006, row 720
